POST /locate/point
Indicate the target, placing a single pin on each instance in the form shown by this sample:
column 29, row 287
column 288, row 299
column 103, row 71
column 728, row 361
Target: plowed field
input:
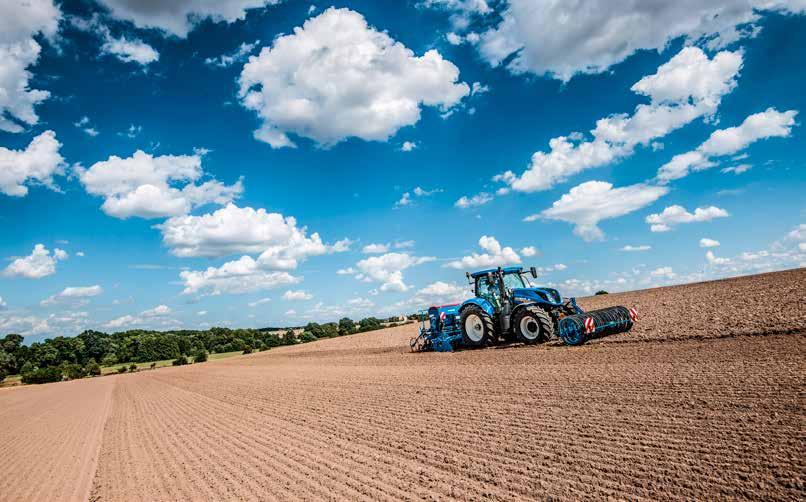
column 704, row 400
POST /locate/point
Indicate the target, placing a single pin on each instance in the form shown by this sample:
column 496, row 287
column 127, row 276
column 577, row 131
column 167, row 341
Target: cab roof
column 507, row 270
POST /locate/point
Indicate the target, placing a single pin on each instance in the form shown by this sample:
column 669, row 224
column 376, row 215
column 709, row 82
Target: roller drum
column 578, row 328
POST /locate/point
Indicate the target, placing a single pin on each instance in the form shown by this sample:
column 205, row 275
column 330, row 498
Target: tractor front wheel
column 532, row 325
column 477, row 327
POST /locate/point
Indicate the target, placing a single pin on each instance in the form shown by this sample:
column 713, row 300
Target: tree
column 346, row 326
column 43, row 375
column 180, row 361
column 3, row 375
column 200, row 356
column 93, row 369
column 132, row 367
column 307, row 336
column 601, row 292
column 369, row 323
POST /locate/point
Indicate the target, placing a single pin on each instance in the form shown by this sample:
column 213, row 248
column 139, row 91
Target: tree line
column 74, row 357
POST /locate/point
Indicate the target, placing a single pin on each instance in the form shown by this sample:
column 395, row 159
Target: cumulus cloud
column 388, row 268
column 687, row 87
column 129, row 50
column 587, row 204
column 20, row 22
column 146, row 186
column 244, row 275
column 73, row 294
column 179, row 17
column 315, row 84
column 40, row 263
column 477, row 200
column 562, row 39
column 494, row 255
column 298, row 295
column 663, row 272
column 38, row 163
column 408, row 146
column 708, row 243
column 238, row 55
column 529, row 251
column 768, row 124
column 407, row 199
column 159, row 310
column 675, row 215
column 375, row 249
column 234, row 229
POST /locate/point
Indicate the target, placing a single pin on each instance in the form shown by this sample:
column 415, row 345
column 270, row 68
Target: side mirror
column 534, row 272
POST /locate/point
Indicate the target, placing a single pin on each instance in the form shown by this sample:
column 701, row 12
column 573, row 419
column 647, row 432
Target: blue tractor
column 507, row 308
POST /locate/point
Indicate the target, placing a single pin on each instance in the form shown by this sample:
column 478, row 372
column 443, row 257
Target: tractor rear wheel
column 477, row 327
column 532, row 325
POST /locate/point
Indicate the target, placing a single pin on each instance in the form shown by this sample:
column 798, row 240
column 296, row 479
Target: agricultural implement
column 507, row 308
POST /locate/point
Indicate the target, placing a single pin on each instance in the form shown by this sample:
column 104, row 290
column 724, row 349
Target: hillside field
column 703, row 400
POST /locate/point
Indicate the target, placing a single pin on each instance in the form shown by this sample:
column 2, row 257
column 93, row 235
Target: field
column 703, row 400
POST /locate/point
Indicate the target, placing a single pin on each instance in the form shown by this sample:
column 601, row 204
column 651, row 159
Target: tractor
column 507, row 308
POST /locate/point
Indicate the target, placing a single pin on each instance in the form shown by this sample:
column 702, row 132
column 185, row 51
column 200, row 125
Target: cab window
column 488, row 290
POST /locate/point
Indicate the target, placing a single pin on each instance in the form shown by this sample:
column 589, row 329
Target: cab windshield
column 512, row 281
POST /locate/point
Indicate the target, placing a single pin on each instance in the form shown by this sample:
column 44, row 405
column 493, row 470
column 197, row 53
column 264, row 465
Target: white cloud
column 587, row 204
column 663, row 272
column 408, row 146
column 84, row 125
column 238, row 55
column 347, row 271
column 37, row 164
column 317, row 84
column 634, row 249
column 145, row 186
column 477, row 200
column 562, row 39
column 714, row 260
column 298, row 295
column 705, row 242
column 20, row 22
column 768, row 124
column 262, row 301
column 201, row 313
column 529, row 251
column 688, row 86
column 495, row 255
column 738, row 169
column 178, row 17
column 129, row 50
column 675, row 215
column 244, row 275
column 782, row 254
column 234, row 229
column 73, row 293
column 40, row 263
column 388, row 269
column 24, row 325
column 159, row 310
column 375, row 249
column 360, row 303
column 3, row 303
column 417, row 191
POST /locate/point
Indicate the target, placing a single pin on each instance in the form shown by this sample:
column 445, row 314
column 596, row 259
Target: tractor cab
column 511, row 285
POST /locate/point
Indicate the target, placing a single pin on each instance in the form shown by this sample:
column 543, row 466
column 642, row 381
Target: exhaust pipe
column 577, row 329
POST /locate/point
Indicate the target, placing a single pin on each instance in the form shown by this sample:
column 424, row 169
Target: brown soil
column 704, row 400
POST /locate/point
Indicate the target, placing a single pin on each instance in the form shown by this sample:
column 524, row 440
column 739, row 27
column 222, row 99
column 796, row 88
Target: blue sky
column 253, row 162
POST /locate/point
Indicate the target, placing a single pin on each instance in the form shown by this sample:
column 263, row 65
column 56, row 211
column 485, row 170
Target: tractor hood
column 548, row 295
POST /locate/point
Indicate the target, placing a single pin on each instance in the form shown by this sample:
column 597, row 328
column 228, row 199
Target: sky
column 257, row 163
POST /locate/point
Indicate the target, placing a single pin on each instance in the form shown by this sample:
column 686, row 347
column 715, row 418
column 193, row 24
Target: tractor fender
column 522, row 306
column 481, row 302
